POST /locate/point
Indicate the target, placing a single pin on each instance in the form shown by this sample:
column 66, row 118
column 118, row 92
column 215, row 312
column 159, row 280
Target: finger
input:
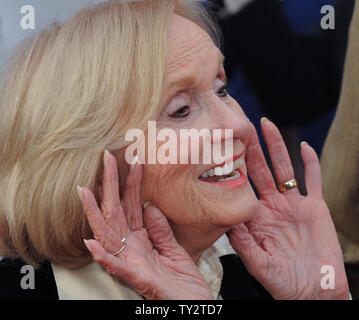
column 111, row 207
column 281, row 163
column 108, row 238
column 257, row 166
column 112, row 264
column 132, row 197
column 313, row 179
column 247, row 248
column 161, row 234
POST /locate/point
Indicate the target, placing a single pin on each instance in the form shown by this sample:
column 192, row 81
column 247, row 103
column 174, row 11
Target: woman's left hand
column 291, row 239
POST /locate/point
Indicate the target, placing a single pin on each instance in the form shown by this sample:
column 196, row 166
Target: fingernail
column 87, row 244
column 146, row 204
column 106, row 157
column 79, row 192
column 263, row 119
column 134, row 162
column 304, row 143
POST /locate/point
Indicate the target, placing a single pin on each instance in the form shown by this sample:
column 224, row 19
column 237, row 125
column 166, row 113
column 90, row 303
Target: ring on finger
column 290, row 184
column 123, row 240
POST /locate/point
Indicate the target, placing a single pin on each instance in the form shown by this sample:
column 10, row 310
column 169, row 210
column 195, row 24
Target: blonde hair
column 70, row 93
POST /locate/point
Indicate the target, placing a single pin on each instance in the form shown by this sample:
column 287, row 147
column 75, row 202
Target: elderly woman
column 72, row 94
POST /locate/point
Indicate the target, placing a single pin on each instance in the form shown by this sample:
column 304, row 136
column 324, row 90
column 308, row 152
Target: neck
column 197, row 240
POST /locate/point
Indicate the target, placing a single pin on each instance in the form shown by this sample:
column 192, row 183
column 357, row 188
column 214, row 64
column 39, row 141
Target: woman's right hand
column 152, row 262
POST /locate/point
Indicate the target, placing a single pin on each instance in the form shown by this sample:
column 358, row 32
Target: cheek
column 227, row 207
column 169, row 187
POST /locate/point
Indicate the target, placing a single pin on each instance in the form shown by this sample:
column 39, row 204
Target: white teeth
column 235, row 176
column 218, row 171
column 204, row 175
column 227, row 168
column 238, row 163
column 224, row 170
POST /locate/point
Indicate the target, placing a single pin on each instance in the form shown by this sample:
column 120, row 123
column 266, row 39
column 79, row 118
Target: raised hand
column 150, row 260
column 291, row 237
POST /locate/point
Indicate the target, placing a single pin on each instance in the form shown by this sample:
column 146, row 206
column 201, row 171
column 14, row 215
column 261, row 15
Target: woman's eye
column 223, row 91
column 181, row 113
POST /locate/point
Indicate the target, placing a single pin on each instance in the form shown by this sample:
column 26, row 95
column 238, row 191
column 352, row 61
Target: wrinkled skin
column 291, row 236
column 284, row 246
column 153, row 263
column 283, row 239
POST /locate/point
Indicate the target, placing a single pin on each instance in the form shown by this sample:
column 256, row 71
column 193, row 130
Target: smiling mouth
column 225, row 172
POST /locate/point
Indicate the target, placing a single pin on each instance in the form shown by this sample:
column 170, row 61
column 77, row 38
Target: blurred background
column 45, row 13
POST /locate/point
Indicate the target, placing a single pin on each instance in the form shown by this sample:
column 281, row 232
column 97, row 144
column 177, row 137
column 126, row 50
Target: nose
column 231, row 116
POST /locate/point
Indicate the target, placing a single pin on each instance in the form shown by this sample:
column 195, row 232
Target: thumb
column 161, row 233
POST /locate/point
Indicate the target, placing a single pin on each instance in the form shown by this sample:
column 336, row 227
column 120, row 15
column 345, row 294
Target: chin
column 228, row 201
column 237, row 206
column 226, row 192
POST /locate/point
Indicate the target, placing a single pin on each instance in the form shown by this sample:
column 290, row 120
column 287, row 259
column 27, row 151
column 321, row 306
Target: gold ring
column 290, row 184
column 146, row 204
column 123, row 240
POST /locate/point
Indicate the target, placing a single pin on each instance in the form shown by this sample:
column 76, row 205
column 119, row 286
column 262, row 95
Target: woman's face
column 196, row 99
